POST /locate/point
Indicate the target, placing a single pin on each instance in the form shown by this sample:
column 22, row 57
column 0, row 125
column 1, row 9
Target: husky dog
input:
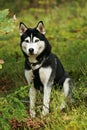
column 42, row 67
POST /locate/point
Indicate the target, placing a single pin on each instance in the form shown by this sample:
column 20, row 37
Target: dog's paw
column 63, row 106
column 32, row 113
column 45, row 111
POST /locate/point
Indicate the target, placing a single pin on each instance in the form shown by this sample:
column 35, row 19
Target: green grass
column 66, row 28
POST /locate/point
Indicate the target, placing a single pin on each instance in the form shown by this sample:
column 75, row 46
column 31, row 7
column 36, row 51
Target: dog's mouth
column 32, row 58
column 31, row 54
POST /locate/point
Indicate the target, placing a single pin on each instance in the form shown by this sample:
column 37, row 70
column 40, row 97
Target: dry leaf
column 1, row 61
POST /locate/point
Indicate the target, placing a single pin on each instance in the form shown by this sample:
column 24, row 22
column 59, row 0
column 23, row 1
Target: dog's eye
column 37, row 40
column 26, row 41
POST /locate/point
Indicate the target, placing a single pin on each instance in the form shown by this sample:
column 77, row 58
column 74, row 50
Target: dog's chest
column 37, row 81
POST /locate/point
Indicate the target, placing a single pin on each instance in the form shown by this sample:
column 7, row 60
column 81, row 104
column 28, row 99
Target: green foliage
column 0, row 66
column 3, row 15
column 66, row 27
column 6, row 24
column 11, row 107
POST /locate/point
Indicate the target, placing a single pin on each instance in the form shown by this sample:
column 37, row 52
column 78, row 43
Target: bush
column 11, row 107
column 6, row 26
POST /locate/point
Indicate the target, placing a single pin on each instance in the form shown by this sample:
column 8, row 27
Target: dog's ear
column 40, row 27
column 22, row 28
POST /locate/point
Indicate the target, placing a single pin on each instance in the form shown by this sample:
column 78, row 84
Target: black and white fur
column 42, row 68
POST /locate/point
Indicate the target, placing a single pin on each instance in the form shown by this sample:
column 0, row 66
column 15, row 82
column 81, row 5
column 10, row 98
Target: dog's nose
column 31, row 50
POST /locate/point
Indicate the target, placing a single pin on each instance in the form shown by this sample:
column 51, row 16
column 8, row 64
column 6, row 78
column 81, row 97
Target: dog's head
column 33, row 41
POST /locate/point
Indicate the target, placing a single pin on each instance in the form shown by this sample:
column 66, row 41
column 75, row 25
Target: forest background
column 66, row 29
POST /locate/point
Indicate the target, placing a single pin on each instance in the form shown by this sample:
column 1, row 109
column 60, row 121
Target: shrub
column 11, row 107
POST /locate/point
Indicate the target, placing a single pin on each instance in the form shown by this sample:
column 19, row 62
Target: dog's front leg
column 46, row 100
column 45, row 74
column 32, row 95
column 32, row 92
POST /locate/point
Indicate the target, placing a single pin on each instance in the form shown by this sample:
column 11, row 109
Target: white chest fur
column 45, row 74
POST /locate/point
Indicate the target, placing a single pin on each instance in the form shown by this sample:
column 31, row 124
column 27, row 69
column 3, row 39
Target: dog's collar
column 35, row 67
column 34, row 64
column 38, row 64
